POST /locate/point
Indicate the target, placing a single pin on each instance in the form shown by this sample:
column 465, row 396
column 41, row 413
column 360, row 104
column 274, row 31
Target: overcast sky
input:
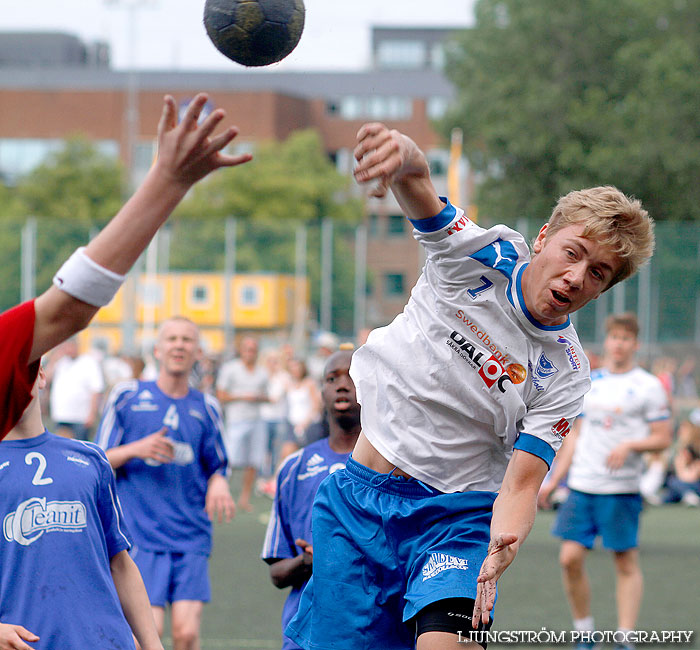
column 169, row 33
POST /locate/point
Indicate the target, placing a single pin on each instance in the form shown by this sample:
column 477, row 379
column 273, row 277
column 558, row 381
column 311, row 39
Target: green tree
column 554, row 96
column 287, row 184
column 76, row 189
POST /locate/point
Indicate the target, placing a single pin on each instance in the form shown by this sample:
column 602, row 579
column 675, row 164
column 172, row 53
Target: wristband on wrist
column 86, row 280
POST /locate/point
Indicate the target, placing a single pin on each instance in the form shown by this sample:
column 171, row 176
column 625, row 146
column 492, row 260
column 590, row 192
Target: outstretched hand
column 500, row 554
column 383, row 155
column 188, row 151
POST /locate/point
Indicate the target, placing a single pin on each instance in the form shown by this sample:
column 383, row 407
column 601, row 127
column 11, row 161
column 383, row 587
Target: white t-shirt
column 74, row 383
column 450, row 385
column 619, row 407
column 236, row 379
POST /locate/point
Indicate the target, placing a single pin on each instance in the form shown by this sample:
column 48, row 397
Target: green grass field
column 245, row 608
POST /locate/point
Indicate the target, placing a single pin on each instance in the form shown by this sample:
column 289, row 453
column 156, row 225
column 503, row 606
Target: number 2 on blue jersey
column 484, row 286
column 39, row 478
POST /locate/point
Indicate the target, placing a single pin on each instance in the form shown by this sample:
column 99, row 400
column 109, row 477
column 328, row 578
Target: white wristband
column 86, row 280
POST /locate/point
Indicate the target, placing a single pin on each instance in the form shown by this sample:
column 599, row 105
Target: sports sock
column 586, row 624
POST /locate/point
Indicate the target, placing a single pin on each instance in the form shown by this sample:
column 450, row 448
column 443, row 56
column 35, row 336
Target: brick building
column 44, row 99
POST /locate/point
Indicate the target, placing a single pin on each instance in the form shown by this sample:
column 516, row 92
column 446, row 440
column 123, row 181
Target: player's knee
column 571, row 558
column 627, row 564
column 185, row 634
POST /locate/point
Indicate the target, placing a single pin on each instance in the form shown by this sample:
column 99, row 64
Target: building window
column 396, row 224
column 439, row 161
column 436, row 107
column 249, row 295
column 377, row 107
column 438, row 58
column 393, row 284
column 401, row 54
column 199, row 295
column 19, row 156
column 373, row 229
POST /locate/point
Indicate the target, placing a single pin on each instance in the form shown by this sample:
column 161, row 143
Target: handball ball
column 254, row 32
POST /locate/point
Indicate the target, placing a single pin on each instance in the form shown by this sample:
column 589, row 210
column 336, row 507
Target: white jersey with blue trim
column 164, row 503
column 619, row 407
column 465, row 373
column 62, row 523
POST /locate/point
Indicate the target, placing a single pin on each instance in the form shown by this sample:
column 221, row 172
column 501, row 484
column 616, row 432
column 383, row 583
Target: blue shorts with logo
column 170, row 577
column 384, row 548
column 615, row 517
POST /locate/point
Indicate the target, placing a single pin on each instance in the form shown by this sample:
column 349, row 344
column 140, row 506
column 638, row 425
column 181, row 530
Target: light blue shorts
column 384, row 548
column 615, row 517
column 170, row 577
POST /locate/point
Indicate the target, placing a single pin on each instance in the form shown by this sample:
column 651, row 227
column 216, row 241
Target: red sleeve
column 17, row 376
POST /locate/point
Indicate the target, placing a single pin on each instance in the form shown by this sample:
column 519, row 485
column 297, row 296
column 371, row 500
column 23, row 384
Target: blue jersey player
column 164, row 439
column 66, row 578
column 288, row 546
column 466, row 396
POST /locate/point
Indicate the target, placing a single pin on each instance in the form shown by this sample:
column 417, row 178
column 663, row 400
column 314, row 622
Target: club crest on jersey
column 439, row 562
column 36, row 516
column 545, row 368
column 544, row 371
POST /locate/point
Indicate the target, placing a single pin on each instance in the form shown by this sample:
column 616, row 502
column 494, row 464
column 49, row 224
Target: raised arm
column 395, row 161
column 187, row 152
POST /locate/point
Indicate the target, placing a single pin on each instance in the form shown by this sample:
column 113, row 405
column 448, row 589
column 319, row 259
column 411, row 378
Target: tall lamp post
column 131, row 115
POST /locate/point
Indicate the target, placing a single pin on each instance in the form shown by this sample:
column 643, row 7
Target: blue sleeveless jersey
column 61, row 525
column 164, row 503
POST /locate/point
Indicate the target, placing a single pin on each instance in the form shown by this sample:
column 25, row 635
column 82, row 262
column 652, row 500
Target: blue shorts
column 384, row 548
column 170, row 577
column 615, row 517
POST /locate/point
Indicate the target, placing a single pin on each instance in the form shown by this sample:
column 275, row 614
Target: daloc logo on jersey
column 491, row 369
column 36, row 516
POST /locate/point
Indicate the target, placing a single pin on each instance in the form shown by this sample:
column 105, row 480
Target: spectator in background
column 663, row 369
column 288, row 546
column 326, row 344
column 274, row 414
column 683, row 483
column 242, row 388
column 77, row 385
column 686, row 384
column 303, row 406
